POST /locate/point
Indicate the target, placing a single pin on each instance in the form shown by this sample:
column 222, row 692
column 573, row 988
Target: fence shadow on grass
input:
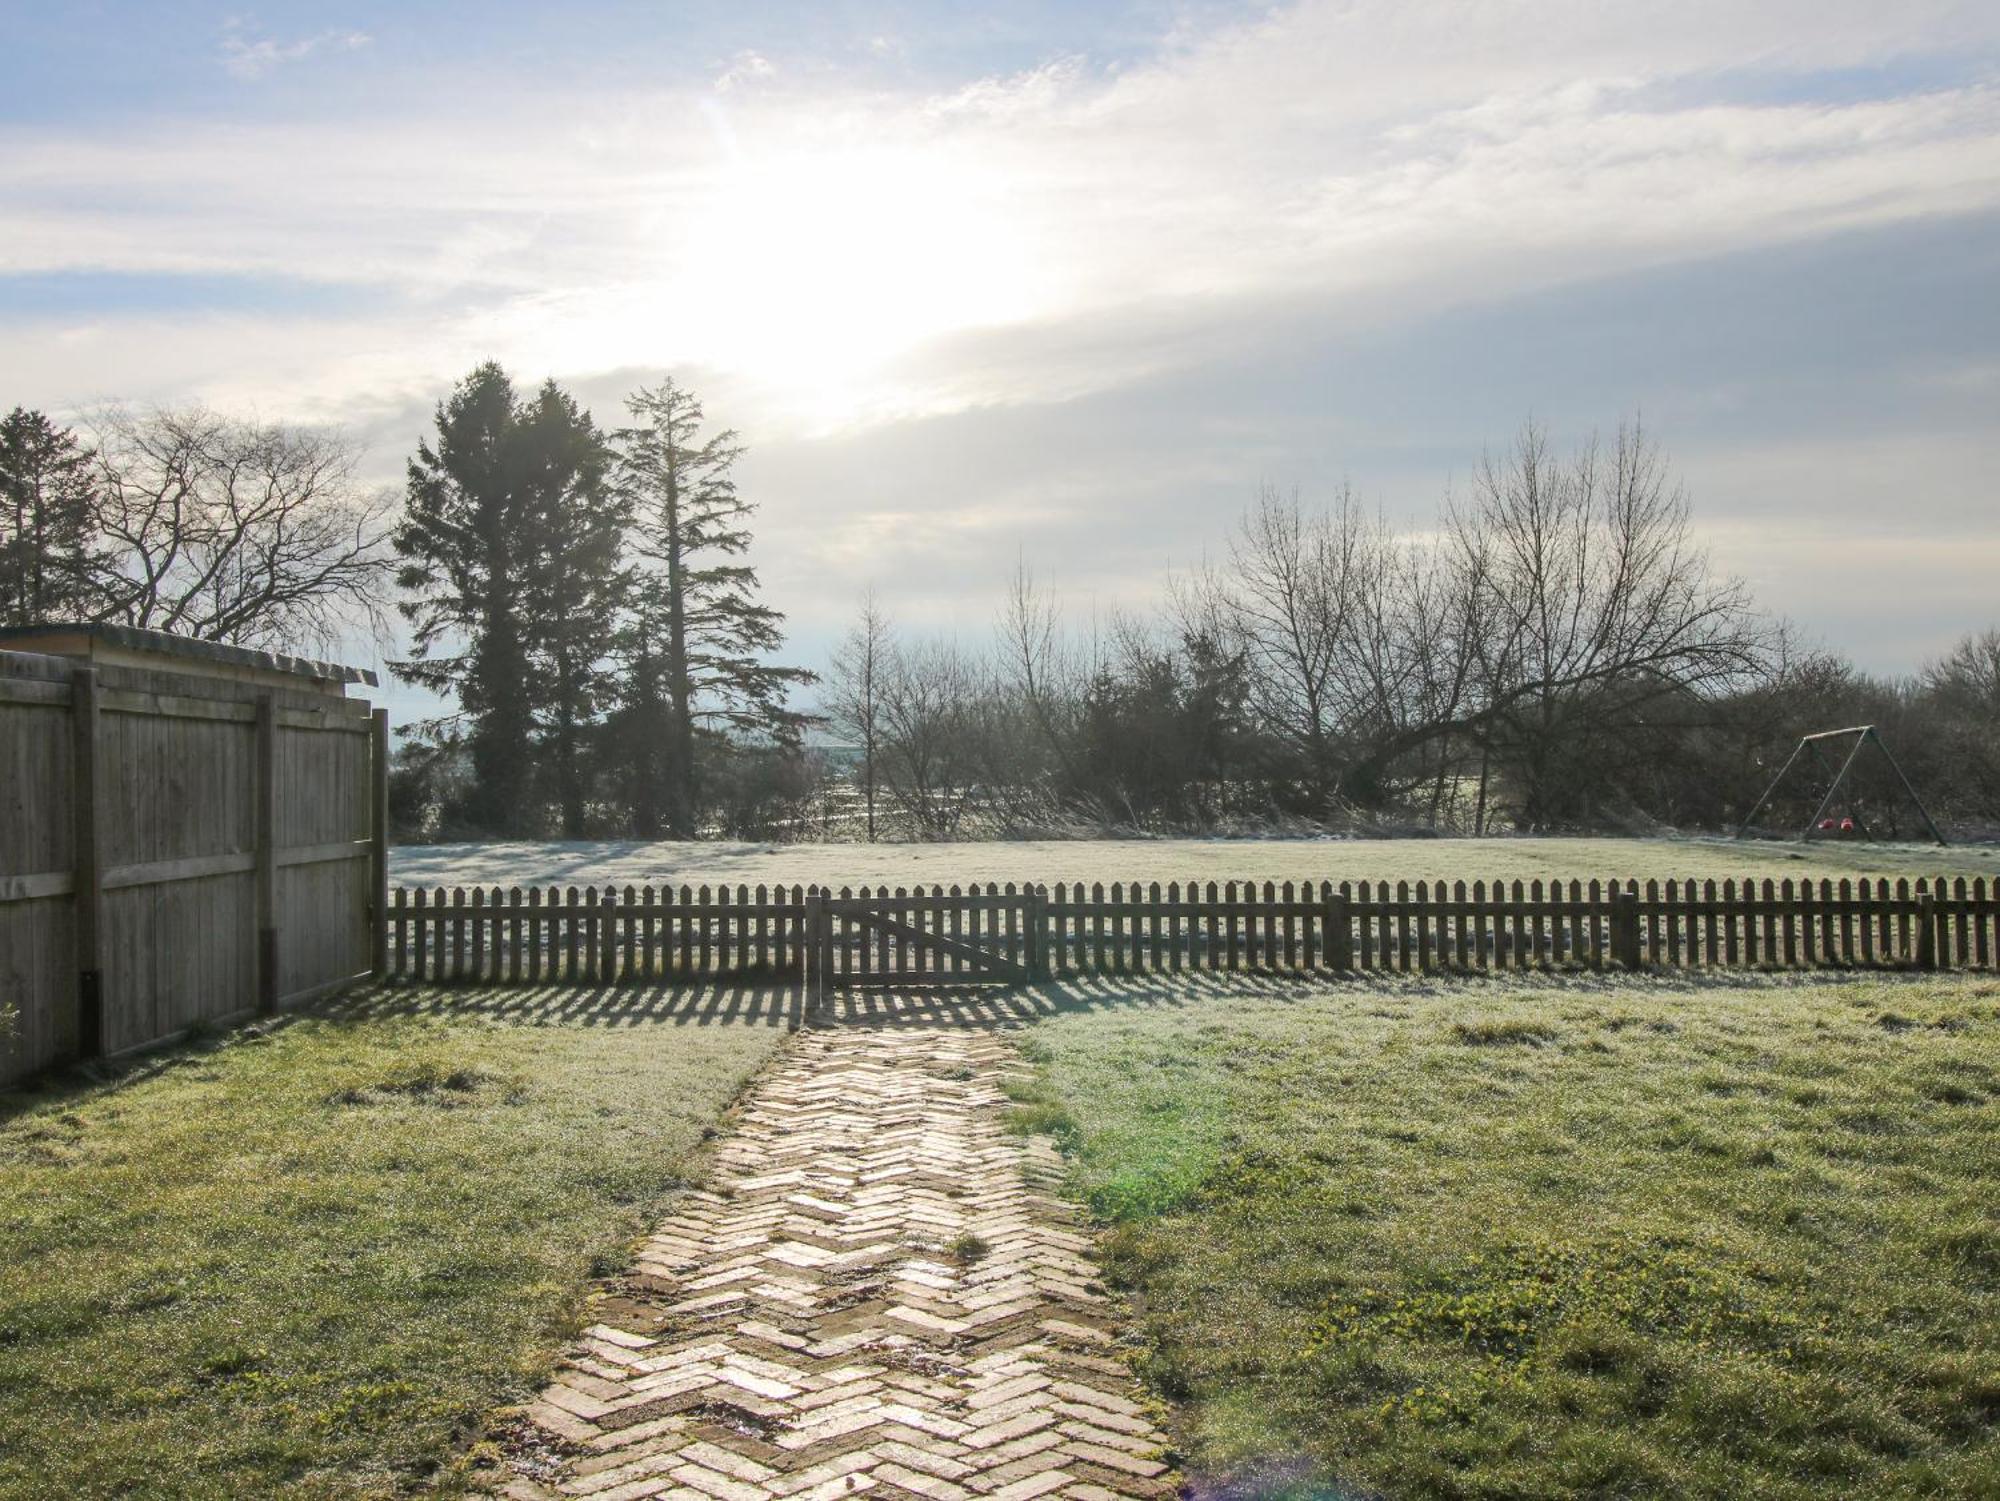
column 708, row 1004
column 996, row 1006
column 763, row 1003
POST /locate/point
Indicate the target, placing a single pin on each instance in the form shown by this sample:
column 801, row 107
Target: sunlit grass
column 307, row 1264
column 1555, row 1239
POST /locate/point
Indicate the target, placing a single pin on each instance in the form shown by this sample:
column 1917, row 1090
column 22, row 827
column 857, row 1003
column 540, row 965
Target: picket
column 607, row 934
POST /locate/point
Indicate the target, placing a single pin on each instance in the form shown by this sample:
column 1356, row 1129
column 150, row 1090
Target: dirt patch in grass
column 310, row 1263
column 1587, row 1237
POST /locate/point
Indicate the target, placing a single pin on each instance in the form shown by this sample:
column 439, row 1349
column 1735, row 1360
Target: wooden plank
column 326, row 721
column 979, row 960
column 321, row 854
column 1422, row 898
column 190, row 868
column 34, row 691
column 86, row 888
column 264, row 821
column 378, row 837
column 540, row 948
column 175, row 706
column 38, row 886
column 478, row 959
column 1342, row 948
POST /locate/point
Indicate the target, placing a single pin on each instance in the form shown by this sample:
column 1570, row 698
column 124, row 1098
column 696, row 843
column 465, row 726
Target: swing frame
column 1864, row 734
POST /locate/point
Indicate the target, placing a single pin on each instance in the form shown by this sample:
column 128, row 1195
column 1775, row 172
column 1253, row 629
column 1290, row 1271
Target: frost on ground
column 639, row 863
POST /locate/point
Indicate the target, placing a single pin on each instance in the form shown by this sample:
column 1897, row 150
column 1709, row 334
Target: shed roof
column 56, row 637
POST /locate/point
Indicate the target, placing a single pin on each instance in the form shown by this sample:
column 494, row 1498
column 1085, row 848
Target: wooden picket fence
column 826, row 939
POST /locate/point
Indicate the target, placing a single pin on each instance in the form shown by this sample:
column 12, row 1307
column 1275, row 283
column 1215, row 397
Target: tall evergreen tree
column 509, row 543
column 575, row 585
column 696, row 636
column 48, row 521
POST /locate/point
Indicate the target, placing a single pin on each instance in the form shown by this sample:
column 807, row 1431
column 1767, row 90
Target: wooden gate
column 937, row 939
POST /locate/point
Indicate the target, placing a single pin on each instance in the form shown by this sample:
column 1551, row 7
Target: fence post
column 1339, row 940
column 827, row 947
column 607, row 935
column 812, row 974
column 378, row 839
column 1038, row 933
column 1926, row 930
column 1625, row 928
column 264, row 819
column 88, row 873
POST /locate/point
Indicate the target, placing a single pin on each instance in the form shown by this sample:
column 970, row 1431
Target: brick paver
column 876, row 1294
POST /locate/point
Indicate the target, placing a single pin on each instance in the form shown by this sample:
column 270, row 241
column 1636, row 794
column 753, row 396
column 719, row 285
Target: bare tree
column 227, row 530
column 932, row 735
column 863, row 669
column 1594, row 607
column 1045, row 673
column 1963, row 689
column 1292, row 596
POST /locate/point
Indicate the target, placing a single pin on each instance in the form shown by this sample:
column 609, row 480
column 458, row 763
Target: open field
column 308, row 1262
column 619, row 862
column 1556, row 1238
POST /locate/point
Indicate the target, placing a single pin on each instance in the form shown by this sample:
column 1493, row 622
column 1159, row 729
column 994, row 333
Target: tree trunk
column 680, row 729
column 645, row 749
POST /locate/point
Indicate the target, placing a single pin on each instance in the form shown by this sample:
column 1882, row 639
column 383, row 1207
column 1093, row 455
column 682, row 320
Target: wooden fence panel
column 183, row 868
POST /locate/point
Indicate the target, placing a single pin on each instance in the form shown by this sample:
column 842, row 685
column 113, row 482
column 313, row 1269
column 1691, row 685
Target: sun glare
column 811, row 273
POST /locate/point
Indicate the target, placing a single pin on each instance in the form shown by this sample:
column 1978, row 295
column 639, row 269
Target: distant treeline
column 1553, row 653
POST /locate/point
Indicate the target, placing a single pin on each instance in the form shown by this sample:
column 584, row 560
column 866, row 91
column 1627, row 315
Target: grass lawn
column 307, row 1263
column 621, row 862
column 1563, row 1238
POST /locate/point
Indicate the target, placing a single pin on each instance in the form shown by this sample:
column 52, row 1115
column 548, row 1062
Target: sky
column 1066, row 282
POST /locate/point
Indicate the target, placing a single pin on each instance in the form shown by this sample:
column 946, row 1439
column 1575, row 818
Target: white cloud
column 745, row 67
column 250, row 58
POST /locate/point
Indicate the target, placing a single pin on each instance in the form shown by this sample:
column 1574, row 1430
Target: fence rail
column 826, row 938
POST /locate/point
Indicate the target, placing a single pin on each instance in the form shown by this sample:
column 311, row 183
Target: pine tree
column 510, row 543
column 48, row 522
column 696, row 636
column 575, row 585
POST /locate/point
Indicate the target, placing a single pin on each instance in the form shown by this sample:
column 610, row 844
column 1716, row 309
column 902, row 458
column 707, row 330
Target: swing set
column 1817, row 748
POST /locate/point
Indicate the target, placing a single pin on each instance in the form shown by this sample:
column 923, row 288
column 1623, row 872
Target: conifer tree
column 510, row 548
column 48, row 521
column 696, row 636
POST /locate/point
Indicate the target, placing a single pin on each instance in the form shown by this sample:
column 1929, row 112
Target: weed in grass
column 1492, row 1031
column 968, row 1248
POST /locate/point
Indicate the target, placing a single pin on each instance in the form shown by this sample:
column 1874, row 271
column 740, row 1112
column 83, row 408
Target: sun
column 812, row 272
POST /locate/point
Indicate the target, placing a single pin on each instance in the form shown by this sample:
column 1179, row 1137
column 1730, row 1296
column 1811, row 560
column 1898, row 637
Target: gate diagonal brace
column 983, row 961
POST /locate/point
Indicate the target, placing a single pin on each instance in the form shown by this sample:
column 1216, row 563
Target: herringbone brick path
column 876, row 1295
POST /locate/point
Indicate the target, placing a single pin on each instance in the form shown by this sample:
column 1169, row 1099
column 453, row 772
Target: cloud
column 1071, row 293
column 250, row 58
column 746, row 67
column 836, row 239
